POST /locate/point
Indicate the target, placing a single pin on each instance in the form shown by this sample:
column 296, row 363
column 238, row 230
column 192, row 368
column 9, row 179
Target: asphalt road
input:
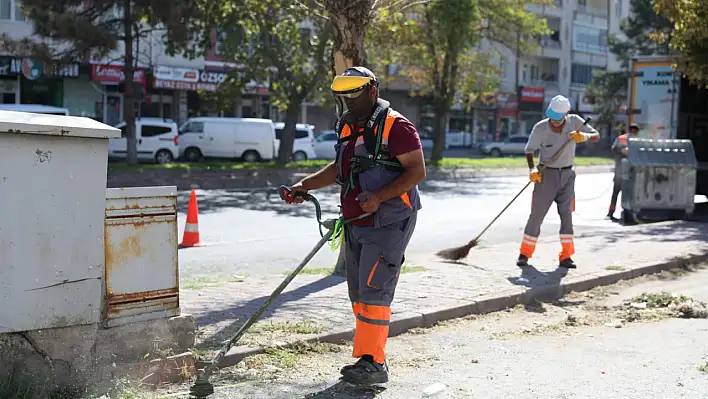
column 521, row 354
column 253, row 233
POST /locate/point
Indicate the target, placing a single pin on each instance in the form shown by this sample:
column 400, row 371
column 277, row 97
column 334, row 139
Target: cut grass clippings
column 201, row 282
column 703, row 368
column 481, row 163
column 301, row 327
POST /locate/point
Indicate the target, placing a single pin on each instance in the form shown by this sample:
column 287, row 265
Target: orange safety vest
column 622, row 139
column 363, row 158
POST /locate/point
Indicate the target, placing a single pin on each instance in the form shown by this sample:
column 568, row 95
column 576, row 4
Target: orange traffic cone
column 191, row 227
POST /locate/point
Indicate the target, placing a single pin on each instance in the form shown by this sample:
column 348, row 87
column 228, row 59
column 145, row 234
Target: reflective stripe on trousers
column 373, row 260
column 557, row 185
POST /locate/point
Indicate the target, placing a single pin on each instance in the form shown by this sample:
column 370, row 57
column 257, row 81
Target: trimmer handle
column 287, row 195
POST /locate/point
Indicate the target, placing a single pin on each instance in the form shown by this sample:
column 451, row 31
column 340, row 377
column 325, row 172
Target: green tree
column 82, row 31
column 608, row 89
column 439, row 43
column 687, row 35
column 270, row 40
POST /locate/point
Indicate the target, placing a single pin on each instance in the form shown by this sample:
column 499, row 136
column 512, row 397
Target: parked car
column 324, row 144
column 249, row 139
column 157, row 140
column 304, row 144
column 511, row 146
column 458, row 139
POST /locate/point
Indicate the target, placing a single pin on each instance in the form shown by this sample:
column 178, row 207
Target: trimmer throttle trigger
column 288, row 196
column 284, row 193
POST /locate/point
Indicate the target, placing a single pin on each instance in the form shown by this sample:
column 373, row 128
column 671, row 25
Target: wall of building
column 81, row 96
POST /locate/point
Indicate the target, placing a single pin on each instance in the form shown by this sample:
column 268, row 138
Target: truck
column 666, row 105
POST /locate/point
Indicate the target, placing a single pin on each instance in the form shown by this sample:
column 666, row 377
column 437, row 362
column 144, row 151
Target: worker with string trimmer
column 555, row 137
column 379, row 164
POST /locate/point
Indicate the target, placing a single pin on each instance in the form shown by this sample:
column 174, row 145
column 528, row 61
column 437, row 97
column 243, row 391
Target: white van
column 250, row 139
column 35, row 109
column 304, row 143
column 157, row 141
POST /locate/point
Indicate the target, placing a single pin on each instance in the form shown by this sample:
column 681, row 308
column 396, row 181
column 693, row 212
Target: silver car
column 511, row 146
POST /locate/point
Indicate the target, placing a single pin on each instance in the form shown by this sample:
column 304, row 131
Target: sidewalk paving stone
column 475, row 285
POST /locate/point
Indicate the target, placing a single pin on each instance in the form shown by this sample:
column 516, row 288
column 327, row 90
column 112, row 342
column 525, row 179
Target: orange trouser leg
column 371, row 331
column 528, row 246
column 567, row 245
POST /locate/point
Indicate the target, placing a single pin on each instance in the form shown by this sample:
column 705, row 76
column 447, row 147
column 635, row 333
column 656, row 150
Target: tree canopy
column 79, row 31
column 687, row 35
column 279, row 41
column 439, row 42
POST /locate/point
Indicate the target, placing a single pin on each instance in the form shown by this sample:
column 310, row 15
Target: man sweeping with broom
column 379, row 163
column 555, row 137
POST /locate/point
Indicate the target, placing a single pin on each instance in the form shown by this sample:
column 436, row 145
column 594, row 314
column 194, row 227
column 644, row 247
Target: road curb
column 406, row 321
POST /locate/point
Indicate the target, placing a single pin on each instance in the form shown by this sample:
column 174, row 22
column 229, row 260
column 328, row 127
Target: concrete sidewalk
column 317, row 307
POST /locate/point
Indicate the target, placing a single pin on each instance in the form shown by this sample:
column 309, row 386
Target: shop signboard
column 113, row 74
column 187, row 79
column 32, row 69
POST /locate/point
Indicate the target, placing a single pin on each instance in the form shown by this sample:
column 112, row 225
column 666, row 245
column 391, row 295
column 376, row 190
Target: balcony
column 553, row 10
column 540, row 73
column 598, row 10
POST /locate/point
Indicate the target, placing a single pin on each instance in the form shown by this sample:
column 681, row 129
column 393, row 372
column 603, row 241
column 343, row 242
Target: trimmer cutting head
column 202, row 388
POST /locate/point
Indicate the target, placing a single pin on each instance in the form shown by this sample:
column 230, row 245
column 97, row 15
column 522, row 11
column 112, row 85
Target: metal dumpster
column 658, row 179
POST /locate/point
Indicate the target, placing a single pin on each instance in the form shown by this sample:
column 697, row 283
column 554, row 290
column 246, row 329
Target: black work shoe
column 567, row 263
column 523, row 261
column 365, row 372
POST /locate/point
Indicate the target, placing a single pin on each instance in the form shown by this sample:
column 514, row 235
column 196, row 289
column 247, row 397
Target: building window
column 589, row 39
column 582, row 74
column 10, row 10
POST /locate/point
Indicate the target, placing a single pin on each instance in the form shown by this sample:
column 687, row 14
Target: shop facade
column 28, row 81
column 107, row 98
column 531, row 100
column 507, row 110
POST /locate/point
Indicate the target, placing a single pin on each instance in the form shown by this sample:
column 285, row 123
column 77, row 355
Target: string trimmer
column 457, row 253
column 202, row 388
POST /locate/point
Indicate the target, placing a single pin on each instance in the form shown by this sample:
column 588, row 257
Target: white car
column 514, row 145
column 324, row 144
column 250, row 139
column 304, row 144
column 157, row 141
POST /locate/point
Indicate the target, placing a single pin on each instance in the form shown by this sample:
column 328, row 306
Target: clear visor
column 351, row 94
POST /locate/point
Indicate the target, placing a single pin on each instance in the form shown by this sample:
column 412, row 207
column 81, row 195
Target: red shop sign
column 114, row 74
column 532, row 94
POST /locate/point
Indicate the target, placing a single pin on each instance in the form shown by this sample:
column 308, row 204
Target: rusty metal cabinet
column 141, row 278
column 658, row 179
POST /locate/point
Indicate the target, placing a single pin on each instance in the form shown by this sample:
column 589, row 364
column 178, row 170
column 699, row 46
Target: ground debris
column 674, row 305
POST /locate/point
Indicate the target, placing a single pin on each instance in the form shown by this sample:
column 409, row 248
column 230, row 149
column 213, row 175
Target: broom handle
column 543, row 167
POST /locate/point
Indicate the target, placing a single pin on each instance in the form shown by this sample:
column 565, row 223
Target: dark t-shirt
column 402, row 138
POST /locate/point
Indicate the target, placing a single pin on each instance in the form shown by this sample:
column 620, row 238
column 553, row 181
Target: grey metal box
column 659, row 175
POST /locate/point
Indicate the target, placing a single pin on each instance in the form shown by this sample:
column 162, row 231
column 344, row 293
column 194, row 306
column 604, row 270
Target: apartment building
column 563, row 63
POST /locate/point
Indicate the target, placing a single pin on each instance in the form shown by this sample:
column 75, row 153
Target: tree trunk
column 129, row 90
column 287, row 138
column 439, row 132
column 350, row 20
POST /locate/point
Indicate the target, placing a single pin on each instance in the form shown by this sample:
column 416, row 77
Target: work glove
column 534, row 176
column 578, row 137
